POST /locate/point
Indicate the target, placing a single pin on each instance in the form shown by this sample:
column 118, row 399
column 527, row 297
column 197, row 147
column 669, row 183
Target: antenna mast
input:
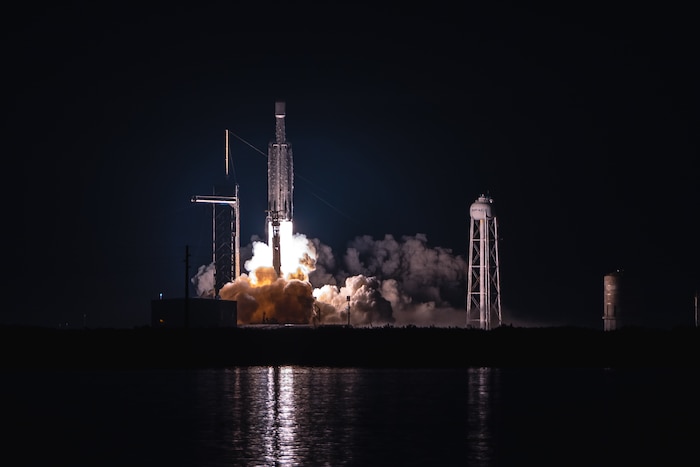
column 226, row 157
column 696, row 308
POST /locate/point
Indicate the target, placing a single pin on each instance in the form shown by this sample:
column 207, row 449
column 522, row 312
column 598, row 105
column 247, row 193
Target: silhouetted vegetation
column 340, row 346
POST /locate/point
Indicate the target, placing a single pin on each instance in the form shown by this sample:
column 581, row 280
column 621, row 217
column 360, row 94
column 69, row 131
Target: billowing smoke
column 360, row 296
column 270, row 299
column 378, row 282
column 203, row 281
column 396, row 281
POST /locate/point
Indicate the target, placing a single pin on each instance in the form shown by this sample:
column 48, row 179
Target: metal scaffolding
column 225, row 228
column 483, row 278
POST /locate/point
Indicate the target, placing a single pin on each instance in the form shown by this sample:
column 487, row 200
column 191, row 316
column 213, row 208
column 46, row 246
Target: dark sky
column 581, row 122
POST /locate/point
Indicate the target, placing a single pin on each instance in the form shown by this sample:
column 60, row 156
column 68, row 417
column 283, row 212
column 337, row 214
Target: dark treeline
column 26, row 347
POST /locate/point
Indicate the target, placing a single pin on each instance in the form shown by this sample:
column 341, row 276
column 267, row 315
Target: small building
column 193, row 312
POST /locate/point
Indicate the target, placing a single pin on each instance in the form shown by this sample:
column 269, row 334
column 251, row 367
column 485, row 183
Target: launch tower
column 483, row 279
column 225, row 228
column 280, row 185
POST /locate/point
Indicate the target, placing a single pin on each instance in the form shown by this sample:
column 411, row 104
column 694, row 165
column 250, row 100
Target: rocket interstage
column 280, row 185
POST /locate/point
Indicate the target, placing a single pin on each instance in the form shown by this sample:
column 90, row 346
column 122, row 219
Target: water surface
column 333, row 416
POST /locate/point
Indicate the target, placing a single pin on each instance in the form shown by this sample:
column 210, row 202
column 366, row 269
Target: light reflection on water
column 279, row 438
column 481, row 392
column 331, row 416
column 281, row 415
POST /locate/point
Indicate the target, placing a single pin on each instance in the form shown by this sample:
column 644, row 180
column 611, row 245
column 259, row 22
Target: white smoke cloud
column 423, row 286
column 203, row 281
column 261, row 257
column 366, row 304
column 423, row 273
column 388, row 281
column 325, row 265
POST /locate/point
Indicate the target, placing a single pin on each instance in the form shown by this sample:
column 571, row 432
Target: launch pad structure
column 483, row 278
column 226, row 204
column 225, row 227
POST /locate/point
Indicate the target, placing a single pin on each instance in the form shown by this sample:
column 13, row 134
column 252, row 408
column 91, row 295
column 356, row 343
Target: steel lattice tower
column 225, row 228
column 483, row 278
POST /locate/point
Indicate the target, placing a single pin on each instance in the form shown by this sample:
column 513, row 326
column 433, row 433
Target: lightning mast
column 225, row 226
column 695, row 302
column 280, row 185
column 483, row 279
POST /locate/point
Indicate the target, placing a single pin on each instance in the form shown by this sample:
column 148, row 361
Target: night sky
column 582, row 124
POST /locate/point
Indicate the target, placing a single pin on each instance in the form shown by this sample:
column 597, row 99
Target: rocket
column 280, row 170
column 280, row 184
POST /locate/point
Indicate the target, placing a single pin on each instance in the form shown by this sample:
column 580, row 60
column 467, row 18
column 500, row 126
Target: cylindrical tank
column 612, row 300
column 482, row 208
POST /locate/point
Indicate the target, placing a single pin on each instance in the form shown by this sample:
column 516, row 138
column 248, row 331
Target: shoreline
column 339, row 346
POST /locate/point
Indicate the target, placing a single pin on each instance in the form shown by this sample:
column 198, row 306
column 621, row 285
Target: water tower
column 483, row 279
